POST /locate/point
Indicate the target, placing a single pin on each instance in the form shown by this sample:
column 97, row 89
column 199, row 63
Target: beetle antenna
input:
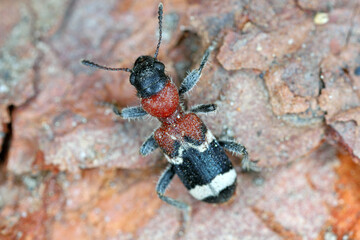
column 95, row 65
column 160, row 17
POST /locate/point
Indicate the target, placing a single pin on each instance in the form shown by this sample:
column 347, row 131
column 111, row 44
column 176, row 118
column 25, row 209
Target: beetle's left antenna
column 95, row 65
column 160, row 17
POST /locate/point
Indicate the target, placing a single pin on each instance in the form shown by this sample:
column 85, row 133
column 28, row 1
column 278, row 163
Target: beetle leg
column 194, row 76
column 203, row 108
column 149, row 146
column 237, row 148
column 130, row 112
column 161, row 187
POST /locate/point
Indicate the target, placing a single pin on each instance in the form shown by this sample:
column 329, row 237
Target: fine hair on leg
column 239, row 149
column 161, row 187
column 149, row 145
column 130, row 112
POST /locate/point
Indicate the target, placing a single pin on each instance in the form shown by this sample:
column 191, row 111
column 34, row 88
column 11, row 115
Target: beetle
column 192, row 151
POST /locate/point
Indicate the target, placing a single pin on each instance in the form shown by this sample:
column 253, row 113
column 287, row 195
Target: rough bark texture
column 285, row 76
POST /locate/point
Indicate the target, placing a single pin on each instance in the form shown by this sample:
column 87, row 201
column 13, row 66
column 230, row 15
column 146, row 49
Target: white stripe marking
column 212, row 189
column 185, row 145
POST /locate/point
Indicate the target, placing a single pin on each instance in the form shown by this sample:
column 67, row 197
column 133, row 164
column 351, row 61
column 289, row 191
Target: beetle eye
column 132, row 79
column 159, row 66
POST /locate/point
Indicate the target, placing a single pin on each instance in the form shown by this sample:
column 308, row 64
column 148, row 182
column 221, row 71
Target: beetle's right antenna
column 95, row 65
column 160, row 17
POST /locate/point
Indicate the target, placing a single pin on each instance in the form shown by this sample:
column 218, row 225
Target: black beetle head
column 148, row 76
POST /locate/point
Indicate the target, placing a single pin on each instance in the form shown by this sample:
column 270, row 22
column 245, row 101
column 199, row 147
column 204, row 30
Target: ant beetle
column 193, row 153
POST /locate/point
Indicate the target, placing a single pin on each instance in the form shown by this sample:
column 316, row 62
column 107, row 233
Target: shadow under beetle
column 193, row 153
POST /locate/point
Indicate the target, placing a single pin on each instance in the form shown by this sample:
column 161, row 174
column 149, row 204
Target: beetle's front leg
column 203, row 108
column 194, row 76
column 130, row 112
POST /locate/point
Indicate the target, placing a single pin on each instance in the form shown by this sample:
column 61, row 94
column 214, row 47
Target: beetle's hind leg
column 237, row 148
column 161, row 187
